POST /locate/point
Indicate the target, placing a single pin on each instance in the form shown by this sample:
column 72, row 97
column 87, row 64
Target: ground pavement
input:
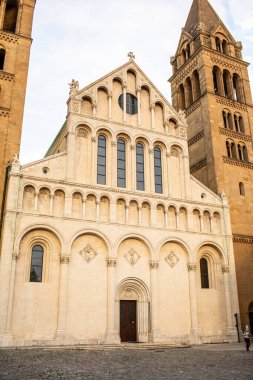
column 212, row 362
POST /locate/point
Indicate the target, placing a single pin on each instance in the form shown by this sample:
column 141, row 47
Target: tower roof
column 201, row 13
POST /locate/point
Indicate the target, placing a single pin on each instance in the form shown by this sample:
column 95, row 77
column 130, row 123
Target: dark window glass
column 10, row 18
column 36, row 264
column 131, row 103
column 101, row 164
column 121, row 164
column 2, row 58
column 158, row 170
column 204, row 274
column 140, row 184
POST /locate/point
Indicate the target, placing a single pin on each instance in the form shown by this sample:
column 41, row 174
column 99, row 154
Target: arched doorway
column 132, row 301
column 251, row 317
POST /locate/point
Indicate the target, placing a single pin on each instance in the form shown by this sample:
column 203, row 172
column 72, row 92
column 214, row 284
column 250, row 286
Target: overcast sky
column 86, row 39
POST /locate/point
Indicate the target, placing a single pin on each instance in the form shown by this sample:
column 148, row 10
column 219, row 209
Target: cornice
column 235, row 162
column 193, row 107
column 6, row 76
column 235, row 135
column 8, row 37
column 196, row 138
column 231, row 103
column 199, row 165
column 243, row 239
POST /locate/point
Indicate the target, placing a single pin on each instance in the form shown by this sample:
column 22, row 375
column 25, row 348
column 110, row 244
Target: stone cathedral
column 110, row 238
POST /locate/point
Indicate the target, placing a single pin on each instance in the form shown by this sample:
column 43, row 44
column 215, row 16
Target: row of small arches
column 130, row 212
column 189, row 91
column 234, row 122
column 238, row 151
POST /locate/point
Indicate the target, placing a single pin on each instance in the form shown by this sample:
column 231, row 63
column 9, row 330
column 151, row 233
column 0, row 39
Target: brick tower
column 210, row 84
column 15, row 42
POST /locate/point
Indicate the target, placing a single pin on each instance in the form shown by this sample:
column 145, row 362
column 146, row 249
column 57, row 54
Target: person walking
column 246, row 336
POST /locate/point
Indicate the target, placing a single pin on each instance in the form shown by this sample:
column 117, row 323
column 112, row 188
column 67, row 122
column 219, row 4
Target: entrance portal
column 128, row 325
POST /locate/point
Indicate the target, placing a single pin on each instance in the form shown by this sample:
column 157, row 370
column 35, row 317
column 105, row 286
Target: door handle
column 133, row 322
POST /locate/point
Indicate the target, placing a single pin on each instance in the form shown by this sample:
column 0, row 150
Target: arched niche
column 102, row 103
column 145, row 107
column 59, row 203
column 86, row 106
column 28, row 198
column 77, row 205
column 44, row 201
column 83, row 150
column 159, row 117
column 104, row 209
column 121, row 211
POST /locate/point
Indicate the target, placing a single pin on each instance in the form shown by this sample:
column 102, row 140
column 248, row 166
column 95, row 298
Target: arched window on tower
column 36, row 267
column 181, row 98
column 233, row 150
column 218, row 44
column 188, row 51
column 242, row 189
column 237, row 88
column 237, row 125
column 227, row 84
column 188, row 92
column 140, row 180
column 224, row 47
column 158, row 170
column 121, row 163
column 217, row 81
column 10, row 17
column 2, row 58
column 225, row 121
column 230, row 121
column 101, row 160
column 204, row 273
column 196, row 85
column 241, row 124
column 245, row 153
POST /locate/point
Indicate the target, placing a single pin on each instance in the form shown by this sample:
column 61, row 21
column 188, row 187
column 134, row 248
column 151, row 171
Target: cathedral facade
column 109, row 238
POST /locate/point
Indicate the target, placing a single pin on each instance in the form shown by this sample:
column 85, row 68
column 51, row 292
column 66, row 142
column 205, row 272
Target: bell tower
column 16, row 17
column 210, row 85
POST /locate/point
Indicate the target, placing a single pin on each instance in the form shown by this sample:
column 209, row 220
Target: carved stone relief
column 132, row 256
column 172, row 259
column 88, row 253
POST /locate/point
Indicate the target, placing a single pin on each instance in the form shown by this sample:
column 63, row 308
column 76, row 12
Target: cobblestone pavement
column 123, row 363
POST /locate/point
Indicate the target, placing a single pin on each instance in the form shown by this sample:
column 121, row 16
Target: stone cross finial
column 131, row 55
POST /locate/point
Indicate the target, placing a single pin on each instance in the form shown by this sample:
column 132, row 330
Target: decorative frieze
column 88, row 253
column 9, row 37
column 111, row 262
column 193, row 107
column 243, row 239
column 6, row 76
column 231, row 104
column 199, row 165
column 196, row 138
column 172, row 259
column 234, row 161
column 234, row 134
column 187, row 71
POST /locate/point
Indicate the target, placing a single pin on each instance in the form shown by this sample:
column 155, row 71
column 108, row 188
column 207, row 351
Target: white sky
column 86, row 39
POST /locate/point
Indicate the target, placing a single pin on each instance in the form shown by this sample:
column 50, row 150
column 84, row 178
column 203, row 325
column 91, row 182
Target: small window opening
column 204, row 273
column 2, row 58
column 241, row 189
column 10, row 18
column 36, row 264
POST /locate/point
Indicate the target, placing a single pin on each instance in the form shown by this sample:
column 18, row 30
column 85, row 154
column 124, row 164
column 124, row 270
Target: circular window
column 45, row 170
column 131, row 103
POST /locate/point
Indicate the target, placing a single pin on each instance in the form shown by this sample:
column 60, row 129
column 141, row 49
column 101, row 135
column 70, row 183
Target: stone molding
column 193, row 107
column 243, row 239
column 234, row 161
column 199, row 165
column 111, row 262
column 234, row 134
column 231, row 103
column 187, row 71
column 196, row 138
column 6, row 76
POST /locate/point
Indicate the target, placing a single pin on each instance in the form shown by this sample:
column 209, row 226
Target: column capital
column 111, row 262
column 132, row 147
column 192, row 267
column 113, row 143
column 225, row 268
column 15, row 255
column 64, row 259
column 93, row 139
column 151, row 151
column 154, row 264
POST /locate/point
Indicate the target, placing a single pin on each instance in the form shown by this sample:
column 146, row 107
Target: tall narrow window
column 204, row 273
column 11, row 14
column 2, row 58
column 241, row 189
column 101, row 165
column 225, row 121
column 36, row 264
column 121, row 163
column 140, row 182
column 158, row 170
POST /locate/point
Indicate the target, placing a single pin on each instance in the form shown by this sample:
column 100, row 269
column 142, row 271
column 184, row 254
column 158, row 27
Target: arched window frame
column 36, row 275
column 2, row 58
column 11, row 28
column 158, row 170
column 204, row 267
column 218, row 44
column 121, row 163
column 101, row 159
column 140, row 166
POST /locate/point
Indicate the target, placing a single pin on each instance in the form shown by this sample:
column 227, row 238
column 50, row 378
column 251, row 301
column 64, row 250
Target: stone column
column 152, row 109
column 114, row 165
column 62, row 297
column 110, row 106
column 168, row 173
column 93, row 160
column 94, row 110
column 230, row 322
column 133, row 162
column 70, row 156
column 124, row 102
column 201, row 223
column 84, row 208
column 151, row 171
column 112, row 335
column 15, row 256
column 52, row 204
column 155, row 333
column 36, row 199
column 97, row 210
column 186, row 176
column 166, row 219
column 177, row 220
column 193, row 303
column 2, row 13
column 139, row 215
column 139, row 108
column 127, row 214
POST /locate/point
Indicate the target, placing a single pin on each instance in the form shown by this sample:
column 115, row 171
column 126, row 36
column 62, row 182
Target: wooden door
column 128, row 325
